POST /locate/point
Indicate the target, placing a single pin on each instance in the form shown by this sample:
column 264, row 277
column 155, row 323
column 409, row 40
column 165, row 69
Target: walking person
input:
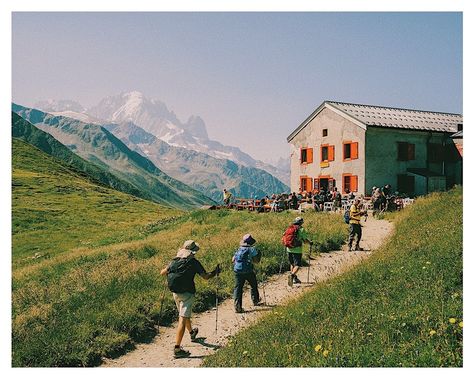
column 355, row 229
column 227, row 195
column 293, row 239
column 180, row 274
column 243, row 261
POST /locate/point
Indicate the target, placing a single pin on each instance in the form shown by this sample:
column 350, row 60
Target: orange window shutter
column 309, row 155
column 309, row 184
column 331, row 153
column 354, row 150
column 354, row 183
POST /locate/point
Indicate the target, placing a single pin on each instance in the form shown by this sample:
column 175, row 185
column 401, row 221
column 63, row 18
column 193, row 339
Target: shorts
column 295, row 259
column 184, row 303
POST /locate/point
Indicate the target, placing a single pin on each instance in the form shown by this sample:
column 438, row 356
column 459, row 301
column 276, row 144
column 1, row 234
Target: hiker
column 293, row 239
column 337, row 199
column 243, row 261
column 294, row 201
column 355, row 229
column 377, row 199
column 227, row 196
column 180, row 274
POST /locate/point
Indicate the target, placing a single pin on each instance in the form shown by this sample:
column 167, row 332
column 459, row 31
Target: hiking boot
column 358, row 248
column 290, row 280
column 239, row 310
column 296, row 280
column 349, row 248
column 181, row 353
column 193, row 333
column 258, row 304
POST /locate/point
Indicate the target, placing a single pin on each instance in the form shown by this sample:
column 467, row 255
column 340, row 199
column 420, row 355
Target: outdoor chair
column 328, row 206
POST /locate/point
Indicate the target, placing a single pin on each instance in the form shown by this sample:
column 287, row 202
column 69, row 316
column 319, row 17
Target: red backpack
column 289, row 238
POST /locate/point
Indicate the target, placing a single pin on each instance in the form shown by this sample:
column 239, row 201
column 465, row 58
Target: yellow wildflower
column 432, row 332
column 452, row 320
column 461, row 324
column 317, row 348
column 369, row 334
column 326, row 353
column 245, row 352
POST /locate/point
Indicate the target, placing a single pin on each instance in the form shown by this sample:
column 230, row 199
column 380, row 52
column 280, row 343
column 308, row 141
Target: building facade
column 354, row 147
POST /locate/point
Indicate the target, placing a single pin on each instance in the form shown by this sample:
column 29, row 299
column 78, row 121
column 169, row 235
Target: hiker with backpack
column 293, row 239
column 243, row 261
column 355, row 229
column 180, row 274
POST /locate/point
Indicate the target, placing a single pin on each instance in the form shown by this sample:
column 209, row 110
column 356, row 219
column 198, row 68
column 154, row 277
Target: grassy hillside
column 27, row 132
column 74, row 308
column 402, row 307
column 57, row 208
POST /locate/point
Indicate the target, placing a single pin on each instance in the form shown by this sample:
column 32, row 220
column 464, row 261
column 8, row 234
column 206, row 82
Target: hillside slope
column 96, row 145
column 201, row 171
column 57, row 208
column 401, row 308
column 27, row 132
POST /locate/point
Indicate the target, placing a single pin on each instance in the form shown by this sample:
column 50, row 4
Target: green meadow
column 86, row 261
column 400, row 308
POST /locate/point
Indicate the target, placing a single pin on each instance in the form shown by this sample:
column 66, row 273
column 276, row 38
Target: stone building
column 355, row 147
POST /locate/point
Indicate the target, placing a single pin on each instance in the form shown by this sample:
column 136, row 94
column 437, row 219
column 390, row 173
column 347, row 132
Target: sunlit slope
column 402, row 307
column 57, row 208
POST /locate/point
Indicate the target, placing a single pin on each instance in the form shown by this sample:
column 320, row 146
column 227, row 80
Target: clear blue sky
column 252, row 77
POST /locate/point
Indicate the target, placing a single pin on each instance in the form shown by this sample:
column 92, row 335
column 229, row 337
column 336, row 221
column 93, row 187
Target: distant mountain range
column 135, row 173
column 200, row 171
column 182, row 150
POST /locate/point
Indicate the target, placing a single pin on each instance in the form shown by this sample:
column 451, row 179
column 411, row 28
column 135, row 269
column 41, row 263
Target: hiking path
column 159, row 352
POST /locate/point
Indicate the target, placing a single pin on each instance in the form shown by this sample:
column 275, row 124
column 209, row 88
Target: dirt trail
column 159, row 353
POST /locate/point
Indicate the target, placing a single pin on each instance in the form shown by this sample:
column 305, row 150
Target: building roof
column 398, row 118
column 457, row 135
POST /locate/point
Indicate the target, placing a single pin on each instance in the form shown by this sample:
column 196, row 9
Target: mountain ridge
column 154, row 117
column 97, row 145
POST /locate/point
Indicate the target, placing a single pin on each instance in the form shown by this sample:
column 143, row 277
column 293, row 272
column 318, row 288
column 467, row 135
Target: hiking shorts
column 295, row 259
column 184, row 303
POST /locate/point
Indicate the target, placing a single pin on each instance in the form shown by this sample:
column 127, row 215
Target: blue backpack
column 242, row 260
column 347, row 216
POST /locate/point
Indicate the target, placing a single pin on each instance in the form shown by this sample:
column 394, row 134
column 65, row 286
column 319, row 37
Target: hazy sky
column 252, row 77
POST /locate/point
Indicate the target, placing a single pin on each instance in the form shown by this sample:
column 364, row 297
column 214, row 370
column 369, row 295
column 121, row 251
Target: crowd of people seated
column 286, row 201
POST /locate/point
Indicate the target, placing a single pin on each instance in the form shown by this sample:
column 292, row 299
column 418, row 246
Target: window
column 325, row 132
column 435, row 153
column 306, row 155
column 406, row 183
column 406, row 151
column 306, row 184
column 327, row 153
column 350, row 183
column 350, row 150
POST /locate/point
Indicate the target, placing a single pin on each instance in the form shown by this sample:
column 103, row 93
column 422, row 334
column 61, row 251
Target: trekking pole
column 217, row 299
column 309, row 258
column 282, row 259
column 161, row 306
column 263, row 284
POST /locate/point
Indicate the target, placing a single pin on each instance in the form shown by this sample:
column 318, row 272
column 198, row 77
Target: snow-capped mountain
column 154, row 117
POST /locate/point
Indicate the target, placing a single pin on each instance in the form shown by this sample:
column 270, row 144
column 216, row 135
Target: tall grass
column 402, row 307
column 74, row 308
column 56, row 209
